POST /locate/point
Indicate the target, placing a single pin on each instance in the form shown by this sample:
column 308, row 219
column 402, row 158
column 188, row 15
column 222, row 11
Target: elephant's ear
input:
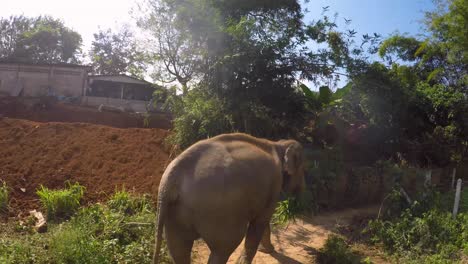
column 290, row 162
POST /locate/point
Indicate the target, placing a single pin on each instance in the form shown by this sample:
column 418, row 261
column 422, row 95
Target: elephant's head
column 292, row 155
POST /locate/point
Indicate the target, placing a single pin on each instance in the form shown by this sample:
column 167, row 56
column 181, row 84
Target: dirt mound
column 99, row 157
column 48, row 109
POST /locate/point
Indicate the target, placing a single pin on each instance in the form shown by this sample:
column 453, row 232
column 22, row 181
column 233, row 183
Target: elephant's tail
column 161, row 215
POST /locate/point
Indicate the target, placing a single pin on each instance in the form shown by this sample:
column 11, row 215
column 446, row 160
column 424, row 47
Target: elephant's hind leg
column 179, row 245
column 265, row 244
column 216, row 258
column 252, row 240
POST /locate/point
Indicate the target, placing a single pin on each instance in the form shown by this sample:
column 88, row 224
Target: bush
column 61, row 203
column 336, row 250
column 198, row 116
column 4, row 196
column 424, row 232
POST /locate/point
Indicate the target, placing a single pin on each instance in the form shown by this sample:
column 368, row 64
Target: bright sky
column 380, row 16
column 368, row 16
column 84, row 16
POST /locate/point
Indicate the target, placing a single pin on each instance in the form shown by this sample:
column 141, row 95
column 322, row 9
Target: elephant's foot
column 268, row 249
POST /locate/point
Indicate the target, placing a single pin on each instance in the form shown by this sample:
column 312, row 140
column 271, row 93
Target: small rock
column 41, row 224
column 23, row 189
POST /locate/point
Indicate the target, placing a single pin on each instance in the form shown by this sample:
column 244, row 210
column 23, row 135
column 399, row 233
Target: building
column 23, row 79
column 122, row 91
column 71, row 81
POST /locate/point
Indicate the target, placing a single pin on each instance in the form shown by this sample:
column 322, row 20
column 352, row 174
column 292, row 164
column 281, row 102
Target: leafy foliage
column 40, row 39
column 336, row 250
column 61, row 203
column 128, row 203
column 425, row 230
column 117, row 53
column 248, row 57
column 415, row 108
column 291, row 207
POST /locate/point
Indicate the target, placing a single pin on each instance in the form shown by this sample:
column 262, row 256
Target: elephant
column 223, row 189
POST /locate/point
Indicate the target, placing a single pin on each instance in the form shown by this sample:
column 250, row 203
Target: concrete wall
column 128, row 105
column 41, row 80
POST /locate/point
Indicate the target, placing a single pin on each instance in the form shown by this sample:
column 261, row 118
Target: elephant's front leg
column 252, row 240
column 265, row 244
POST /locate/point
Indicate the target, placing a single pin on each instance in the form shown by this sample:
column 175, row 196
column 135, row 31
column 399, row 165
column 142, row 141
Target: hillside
column 101, row 158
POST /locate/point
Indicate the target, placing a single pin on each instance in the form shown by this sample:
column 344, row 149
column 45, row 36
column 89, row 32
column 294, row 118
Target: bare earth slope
column 99, row 157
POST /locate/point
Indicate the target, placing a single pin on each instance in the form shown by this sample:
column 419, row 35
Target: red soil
column 99, row 157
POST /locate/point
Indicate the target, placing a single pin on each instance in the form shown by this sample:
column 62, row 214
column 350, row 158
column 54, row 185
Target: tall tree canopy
column 40, row 39
column 245, row 58
column 416, row 104
column 117, row 53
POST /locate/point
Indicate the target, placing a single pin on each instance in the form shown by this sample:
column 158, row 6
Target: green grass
column 100, row 233
column 336, row 250
column 4, row 196
column 63, row 203
column 128, row 203
column 425, row 232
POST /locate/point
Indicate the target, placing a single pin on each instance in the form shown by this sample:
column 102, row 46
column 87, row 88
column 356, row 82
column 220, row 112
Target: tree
column 117, row 53
column 40, row 39
column 417, row 102
column 178, row 54
column 246, row 56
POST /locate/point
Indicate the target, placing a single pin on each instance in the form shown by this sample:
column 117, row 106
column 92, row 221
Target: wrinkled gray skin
column 224, row 189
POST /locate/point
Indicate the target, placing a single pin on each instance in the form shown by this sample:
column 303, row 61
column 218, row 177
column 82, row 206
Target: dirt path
column 299, row 242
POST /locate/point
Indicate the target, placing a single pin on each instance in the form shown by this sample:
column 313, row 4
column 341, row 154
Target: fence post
column 457, row 198
column 428, row 179
column 454, row 172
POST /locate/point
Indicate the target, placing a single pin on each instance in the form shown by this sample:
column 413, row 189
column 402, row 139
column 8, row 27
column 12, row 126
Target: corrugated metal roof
column 47, row 64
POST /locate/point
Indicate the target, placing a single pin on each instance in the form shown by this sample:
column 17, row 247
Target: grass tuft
column 129, row 203
column 4, row 197
column 336, row 250
column 61, row 203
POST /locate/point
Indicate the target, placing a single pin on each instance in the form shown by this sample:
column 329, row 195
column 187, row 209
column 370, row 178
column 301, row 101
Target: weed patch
column 4, row 197
column 336, row 250
column 61, row 203
column 100, row 233
column 424, row 232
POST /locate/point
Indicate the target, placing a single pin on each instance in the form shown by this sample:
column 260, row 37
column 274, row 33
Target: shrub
column 336, row 250
column 61, row 203
column 424, row 231
column 199, row 116
column 4, row 195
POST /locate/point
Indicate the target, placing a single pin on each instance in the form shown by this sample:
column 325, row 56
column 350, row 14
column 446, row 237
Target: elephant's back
column 221, row 180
